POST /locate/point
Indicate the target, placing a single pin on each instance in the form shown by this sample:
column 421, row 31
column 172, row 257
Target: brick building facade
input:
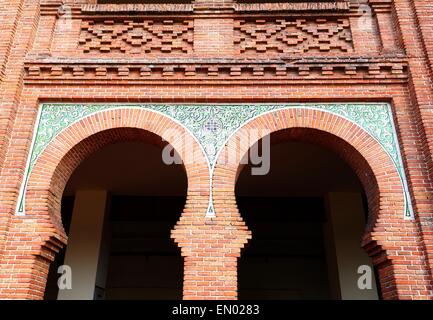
column 352, row 76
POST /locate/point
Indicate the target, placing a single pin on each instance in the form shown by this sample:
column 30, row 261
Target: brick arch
column 66, row 151
column 366, row 156
column 70, row 147
column 345, row 151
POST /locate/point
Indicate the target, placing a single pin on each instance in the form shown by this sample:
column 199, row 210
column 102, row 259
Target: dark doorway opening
column 145, row 198
column 307, row 217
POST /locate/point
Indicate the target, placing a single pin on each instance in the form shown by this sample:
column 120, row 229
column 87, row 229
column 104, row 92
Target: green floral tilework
column 213, row 124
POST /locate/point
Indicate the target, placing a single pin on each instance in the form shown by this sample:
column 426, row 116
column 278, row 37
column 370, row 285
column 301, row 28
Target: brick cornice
column 139, row 8
column 183, row 71
column 342, row 6
column 52, row 6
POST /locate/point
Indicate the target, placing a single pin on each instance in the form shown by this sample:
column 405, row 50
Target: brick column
column 420, row 88
column 31, row 246
column 11, row 88
column 424, row 18
column 345, row 224
column 46, row 25
column 85, row 238
column 213, row 36
column 388, row 34
column 9, row 16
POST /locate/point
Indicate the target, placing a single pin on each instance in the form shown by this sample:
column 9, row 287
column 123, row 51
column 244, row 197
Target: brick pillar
column 210, row 276
column 424, row 15
column 388, row 34
column 9, row 16
column 46, row 25
column 420, row 88
column 85, row 240
column 23, row 18
column 344, row 228
column 30, row 248
column 213, row 36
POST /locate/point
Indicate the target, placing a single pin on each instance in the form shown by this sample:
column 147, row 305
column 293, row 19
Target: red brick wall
column 215, row 57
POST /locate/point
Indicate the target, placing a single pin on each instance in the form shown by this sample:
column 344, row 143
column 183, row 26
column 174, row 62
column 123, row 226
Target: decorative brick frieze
column 136, row 36
column 204, row 28
column 288, row 36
